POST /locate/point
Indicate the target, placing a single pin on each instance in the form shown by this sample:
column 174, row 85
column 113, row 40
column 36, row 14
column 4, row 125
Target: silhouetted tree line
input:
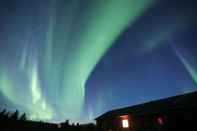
column 5, row 115
column 15, row 122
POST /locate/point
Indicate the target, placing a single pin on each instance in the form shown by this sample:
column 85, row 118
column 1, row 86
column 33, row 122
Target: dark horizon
column 77, row 59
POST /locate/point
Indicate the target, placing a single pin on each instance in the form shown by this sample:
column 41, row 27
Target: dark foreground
column 169, row 114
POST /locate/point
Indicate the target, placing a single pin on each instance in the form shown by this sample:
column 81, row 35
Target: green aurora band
column 188, row 62
column 52, row 78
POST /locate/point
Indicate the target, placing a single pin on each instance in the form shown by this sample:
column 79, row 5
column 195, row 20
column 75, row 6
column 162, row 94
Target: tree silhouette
column 23, row 117
column 15, row 115
column 3, row 112
column 7, row 114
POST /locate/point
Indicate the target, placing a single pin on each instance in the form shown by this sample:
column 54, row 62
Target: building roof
column 176, row 102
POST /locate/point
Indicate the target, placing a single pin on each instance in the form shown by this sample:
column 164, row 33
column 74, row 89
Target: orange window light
column 125, row 121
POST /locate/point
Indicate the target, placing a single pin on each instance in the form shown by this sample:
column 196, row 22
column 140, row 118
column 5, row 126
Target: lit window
column 125, row 123
column 160, row 121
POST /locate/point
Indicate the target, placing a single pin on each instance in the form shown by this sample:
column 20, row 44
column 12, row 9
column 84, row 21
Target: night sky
column 76, row 59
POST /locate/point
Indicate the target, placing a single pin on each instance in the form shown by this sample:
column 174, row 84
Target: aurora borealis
column 76, row 59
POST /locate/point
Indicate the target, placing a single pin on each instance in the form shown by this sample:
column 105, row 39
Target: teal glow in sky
column 53, row 47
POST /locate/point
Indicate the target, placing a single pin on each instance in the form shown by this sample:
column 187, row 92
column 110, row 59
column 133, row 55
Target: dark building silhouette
column 170, row 114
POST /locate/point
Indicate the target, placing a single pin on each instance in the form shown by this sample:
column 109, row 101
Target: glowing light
column 34, row 85
column 160, row 121
column 125, row 123
column 54, row 63
column 188, row 66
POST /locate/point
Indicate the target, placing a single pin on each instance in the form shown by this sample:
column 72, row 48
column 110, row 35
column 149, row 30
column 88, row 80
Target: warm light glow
column 125, row 123
column 160, row 121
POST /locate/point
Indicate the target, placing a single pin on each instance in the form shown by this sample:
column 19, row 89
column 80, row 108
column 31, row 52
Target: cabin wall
column 182, row 119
